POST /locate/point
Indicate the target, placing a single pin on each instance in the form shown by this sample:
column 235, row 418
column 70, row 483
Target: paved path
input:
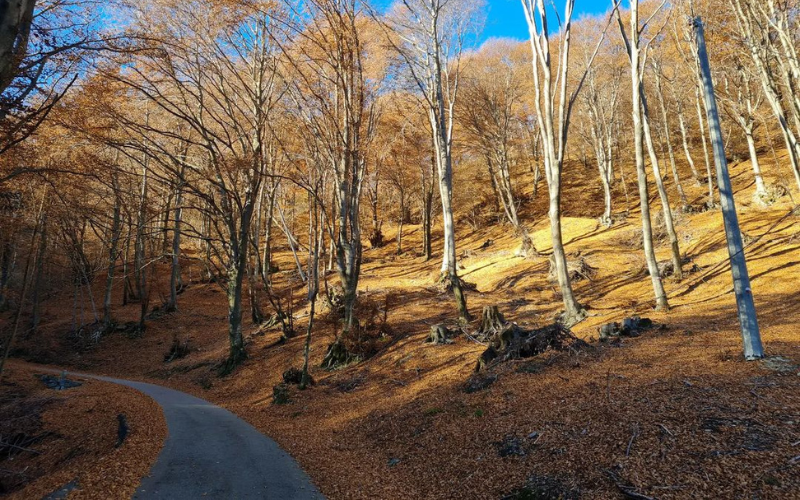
column 212, row 453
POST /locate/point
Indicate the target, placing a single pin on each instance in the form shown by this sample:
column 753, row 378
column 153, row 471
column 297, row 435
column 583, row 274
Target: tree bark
column 16, row 17
column 38, row 277
column 113, row 251
column 175, row 283
column 668, row 138
column 677, row 261
column 709, row 175
column 638, row 131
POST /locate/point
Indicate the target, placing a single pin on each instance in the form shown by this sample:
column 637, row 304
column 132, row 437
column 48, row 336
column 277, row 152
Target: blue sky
column 505, row 17
column 506, row 20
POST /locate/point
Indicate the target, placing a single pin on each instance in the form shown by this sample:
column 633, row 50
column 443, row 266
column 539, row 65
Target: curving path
column 211, row 453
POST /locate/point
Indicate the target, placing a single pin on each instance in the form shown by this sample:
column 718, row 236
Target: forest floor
column 55, row 443
column 676, row 413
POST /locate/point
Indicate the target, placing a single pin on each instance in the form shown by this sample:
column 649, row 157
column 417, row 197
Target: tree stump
column 337, row 355
column 514, row 342
column 527, row 250
column 492, row 321
column 440, row 334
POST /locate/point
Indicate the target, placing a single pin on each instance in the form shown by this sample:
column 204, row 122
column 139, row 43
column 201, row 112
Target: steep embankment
column 676, row 413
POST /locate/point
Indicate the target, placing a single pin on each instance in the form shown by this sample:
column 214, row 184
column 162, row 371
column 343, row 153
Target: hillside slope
column 676, row 413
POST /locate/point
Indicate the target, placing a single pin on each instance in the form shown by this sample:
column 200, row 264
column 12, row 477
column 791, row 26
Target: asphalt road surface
column 212, row 453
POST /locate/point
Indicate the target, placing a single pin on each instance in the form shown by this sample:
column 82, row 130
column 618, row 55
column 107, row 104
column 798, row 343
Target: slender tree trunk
column 687, row 152
column 315, row 244
column 38, row 277
column 449, row 261
column 677, row 261
column 400, row 236
column 127, row 289
column 427, row 224
column 175, row 283
column 266, row 265
column 498, row 197
column 113, row 253
column 741, row 281
column 165, row 246
column 761, row 188
column 638, row 134
column 709, row 175
column 9, row 341
column 140, row 244
column 668, row 140
column 6, row 267
column 604, row 178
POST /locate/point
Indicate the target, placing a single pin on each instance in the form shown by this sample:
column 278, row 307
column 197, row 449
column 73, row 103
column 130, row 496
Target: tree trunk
column 449, row 260
column 741, row 281
column 761, row 188
column 113, row 254
column 175, row 283
column 709, row 175
column 38, row 277
column 139, row 246
column 15, row 28
column 668, row 139
column 427, row 223
column 316, row 243
column 127, row 288
column 604, row 178
column 165, row 245
column 266, row 263
column 236, row 352
column 6, row 266
column 638, row 134
column 9, row 341
column 687, row 152
column 677, row 261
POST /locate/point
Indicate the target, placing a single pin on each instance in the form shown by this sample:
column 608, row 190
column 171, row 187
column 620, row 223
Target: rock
column 779, row 364
column 479, row 383
column 630, row 327
column 59, row 383
column 511, row 446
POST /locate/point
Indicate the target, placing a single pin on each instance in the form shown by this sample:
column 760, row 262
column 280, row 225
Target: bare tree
column 634, row 54
column 741, row 98
column 490, row 113
column 217, row 77
column 658, row 71
column 429, row 35
column 601, row 99
column 335, row 99
column 757, row 37
column 638, row 67
column 554, row 109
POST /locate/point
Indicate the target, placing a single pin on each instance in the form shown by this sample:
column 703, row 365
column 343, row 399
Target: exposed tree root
column 515, row 342
column 338, row 355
